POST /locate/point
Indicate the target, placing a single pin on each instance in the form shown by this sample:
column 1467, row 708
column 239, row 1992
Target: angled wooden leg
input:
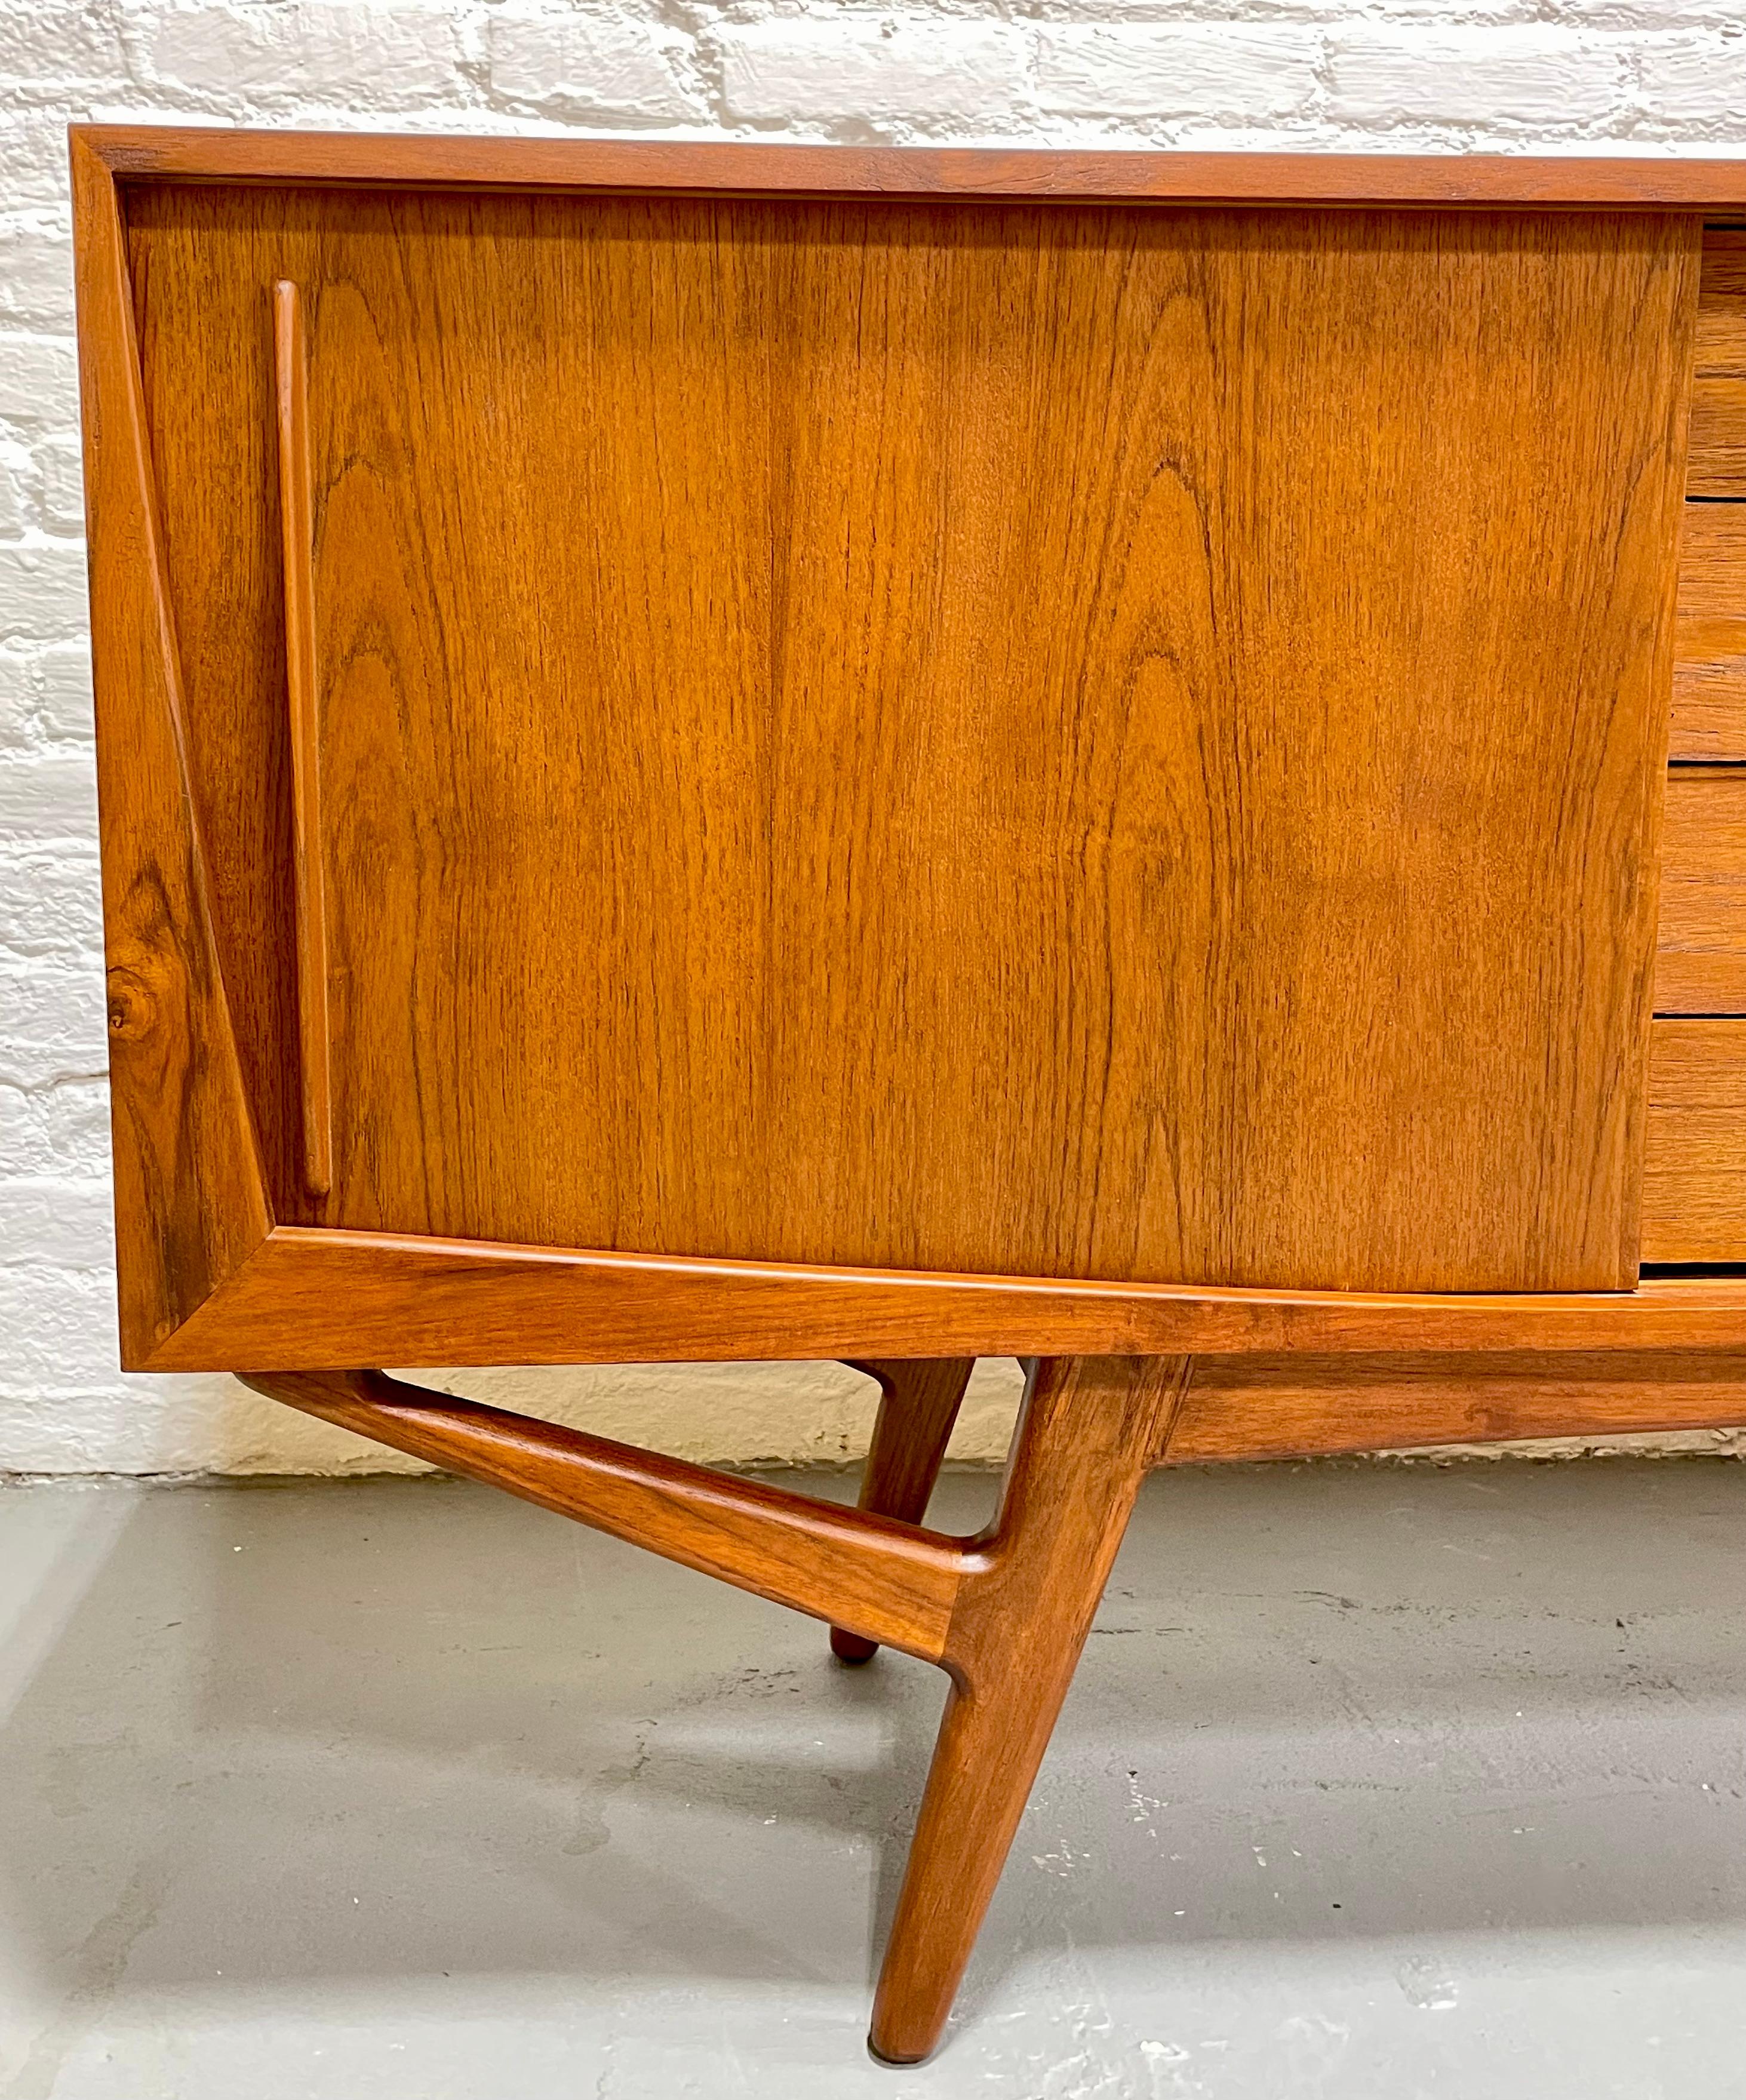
column 1006, row 1612
column 919, row 1399
column 1091, row 1428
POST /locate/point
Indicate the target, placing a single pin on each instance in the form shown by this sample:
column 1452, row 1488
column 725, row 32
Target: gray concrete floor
column 1376, row 1781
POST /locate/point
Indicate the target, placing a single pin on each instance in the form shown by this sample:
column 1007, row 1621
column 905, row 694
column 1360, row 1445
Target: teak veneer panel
column 1709, row 635
column 1011, row 738
column 1701, row 967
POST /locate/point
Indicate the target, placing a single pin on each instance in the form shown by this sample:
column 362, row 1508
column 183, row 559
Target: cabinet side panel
column 189, row 1204
column 206, row 332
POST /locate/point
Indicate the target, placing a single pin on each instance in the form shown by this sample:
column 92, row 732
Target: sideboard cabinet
column 1137, row 761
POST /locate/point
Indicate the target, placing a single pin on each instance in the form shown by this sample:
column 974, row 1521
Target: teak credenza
column 1134, row 760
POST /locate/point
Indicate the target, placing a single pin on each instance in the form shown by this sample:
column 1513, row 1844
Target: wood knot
column 133, row 1010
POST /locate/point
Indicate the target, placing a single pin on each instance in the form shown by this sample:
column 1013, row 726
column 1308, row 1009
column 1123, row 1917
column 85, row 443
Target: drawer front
column 1709, row 635
column 1693, row 1196
column 1700, row 967
column 1695, row 1152
column 1716, row 465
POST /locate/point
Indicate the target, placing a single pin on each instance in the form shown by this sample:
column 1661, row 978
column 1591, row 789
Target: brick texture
column 1397, row 75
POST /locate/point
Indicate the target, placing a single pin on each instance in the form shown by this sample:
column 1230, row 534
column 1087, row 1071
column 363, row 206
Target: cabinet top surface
column 136, row 152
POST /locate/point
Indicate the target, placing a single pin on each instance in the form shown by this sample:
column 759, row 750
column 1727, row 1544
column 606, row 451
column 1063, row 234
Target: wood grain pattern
column 213, row 430
column 894, row 1582
column 1695, row 1170
column 307, row 1296
column 1156, row 544
column 1308, row 1406
column 1718, row 434
column 189, row 1202
column 297, row 527
column 919, row 1399
column 1701, row 966
column 165, row 152
column 1709, row 635
column 1089, row 1428
column 1717, row 464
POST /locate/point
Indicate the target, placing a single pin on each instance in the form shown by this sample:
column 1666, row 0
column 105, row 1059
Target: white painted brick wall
column 1139, row 72
column 1399, row 75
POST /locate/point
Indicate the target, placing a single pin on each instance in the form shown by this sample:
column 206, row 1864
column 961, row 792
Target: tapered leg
column 1091, row 1426
column 920, row 1397
column 1006, row 1612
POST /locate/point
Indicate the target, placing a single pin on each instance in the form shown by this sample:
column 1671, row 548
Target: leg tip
column 851, row 1647
column 896, row 2063
column 904, row 2036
